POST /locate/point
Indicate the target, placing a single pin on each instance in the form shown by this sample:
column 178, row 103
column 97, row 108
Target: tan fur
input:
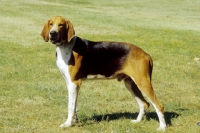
column 75, row 64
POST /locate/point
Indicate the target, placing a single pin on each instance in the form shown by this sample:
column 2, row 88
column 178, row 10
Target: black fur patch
column 103, row 58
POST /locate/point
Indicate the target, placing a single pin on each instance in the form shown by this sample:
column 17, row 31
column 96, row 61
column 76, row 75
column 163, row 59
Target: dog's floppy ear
column 45, row 32
column 70, row 30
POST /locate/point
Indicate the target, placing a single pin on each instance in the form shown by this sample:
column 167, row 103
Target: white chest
column 63, row 54
column 63, row 57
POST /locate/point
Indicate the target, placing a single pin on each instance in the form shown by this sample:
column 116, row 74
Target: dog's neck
column 66, row 44
column 64, row 50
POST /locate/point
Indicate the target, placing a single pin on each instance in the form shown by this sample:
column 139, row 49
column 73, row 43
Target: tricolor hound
column 79, row 59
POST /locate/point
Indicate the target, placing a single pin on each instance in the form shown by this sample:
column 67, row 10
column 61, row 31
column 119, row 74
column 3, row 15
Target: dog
column 80, row 59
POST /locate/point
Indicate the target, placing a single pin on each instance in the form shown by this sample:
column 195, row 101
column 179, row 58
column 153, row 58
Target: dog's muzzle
column 54, row 37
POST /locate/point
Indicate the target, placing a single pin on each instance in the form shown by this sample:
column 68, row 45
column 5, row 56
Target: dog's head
column 58, row 30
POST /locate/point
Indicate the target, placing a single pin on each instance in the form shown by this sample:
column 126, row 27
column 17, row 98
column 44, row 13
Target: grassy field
column 33, row 96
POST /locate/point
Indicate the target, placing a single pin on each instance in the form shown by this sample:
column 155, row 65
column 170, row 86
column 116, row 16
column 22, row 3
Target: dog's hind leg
column 139, row 68
column 142, row 78
column 146, row 88
column 143, row 104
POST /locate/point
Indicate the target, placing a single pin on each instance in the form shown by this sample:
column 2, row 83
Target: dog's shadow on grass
column 149, row 115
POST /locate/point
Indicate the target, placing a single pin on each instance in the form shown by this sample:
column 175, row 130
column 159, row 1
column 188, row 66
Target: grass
column 33, row 94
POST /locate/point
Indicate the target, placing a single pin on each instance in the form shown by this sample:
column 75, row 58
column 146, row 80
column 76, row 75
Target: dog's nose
column 53, row 33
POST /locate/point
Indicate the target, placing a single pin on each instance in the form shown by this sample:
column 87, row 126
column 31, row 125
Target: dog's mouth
column 54, row 40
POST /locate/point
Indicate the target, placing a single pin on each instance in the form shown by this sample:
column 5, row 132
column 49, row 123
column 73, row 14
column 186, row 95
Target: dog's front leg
column 73, row 90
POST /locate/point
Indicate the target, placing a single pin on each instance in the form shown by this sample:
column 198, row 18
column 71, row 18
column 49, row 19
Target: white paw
column 65, row 125
column 135, row 121
column 161, row 128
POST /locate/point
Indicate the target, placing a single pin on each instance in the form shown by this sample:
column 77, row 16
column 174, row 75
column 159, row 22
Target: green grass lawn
column 33, row 95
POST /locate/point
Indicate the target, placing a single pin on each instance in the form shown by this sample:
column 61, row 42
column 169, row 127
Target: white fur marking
column 142, row 110
column 72, row 100
column 98, row 76
column 54, row 28
column 95, row 76
column 161, row 118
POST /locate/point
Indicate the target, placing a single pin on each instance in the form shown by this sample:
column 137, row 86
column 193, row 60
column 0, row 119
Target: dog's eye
column 61, row 25
column 51, row 24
